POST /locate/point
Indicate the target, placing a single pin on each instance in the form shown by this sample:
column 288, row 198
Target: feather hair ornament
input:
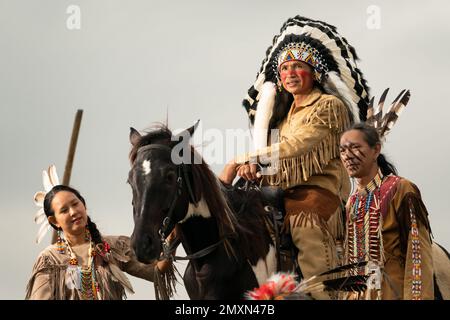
column 384, row 121
column 49, row 180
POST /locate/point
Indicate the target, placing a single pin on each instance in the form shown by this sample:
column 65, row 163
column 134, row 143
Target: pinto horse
column 224, row 234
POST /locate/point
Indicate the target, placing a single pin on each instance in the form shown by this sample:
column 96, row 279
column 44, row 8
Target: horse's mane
column 238, row 214
column 253, row 222
column 157, row 133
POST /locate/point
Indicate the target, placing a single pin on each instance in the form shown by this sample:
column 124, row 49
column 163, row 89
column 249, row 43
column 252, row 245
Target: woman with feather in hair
column 82, row 264
column 311, row 91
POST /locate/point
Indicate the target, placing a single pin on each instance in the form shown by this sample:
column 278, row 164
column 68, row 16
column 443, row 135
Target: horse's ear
column 192, row 129
column 188, row 132
column 135, row 136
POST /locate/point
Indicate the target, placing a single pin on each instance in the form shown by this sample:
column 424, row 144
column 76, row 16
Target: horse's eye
column 171, row 177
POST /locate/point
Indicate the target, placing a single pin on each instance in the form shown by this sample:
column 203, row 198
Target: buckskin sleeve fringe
column 165, row 283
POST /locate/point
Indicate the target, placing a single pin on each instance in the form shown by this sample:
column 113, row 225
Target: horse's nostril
column 147, row 246
column 171, row 177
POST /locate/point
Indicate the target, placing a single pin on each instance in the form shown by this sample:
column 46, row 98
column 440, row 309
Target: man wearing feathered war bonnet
column 310, row 89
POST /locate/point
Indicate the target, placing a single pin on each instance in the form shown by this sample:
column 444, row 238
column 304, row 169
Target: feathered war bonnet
column 332, row 58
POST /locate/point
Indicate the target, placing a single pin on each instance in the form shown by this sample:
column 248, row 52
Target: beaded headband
column 49, row 179
column 306, row 53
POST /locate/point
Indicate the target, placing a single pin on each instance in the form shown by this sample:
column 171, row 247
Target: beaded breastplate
column 367, row 209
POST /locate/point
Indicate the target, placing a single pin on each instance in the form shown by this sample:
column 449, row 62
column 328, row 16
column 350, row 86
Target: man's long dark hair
column 372, row 138
column 283, row 103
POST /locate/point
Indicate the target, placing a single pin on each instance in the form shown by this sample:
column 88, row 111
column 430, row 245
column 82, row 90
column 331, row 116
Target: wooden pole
column 71, row 155
column 72, row 147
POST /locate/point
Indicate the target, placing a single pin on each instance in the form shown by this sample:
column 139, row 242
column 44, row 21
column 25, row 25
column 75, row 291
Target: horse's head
column 159, row 199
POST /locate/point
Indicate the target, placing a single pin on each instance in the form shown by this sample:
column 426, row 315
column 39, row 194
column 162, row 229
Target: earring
column 60, row 246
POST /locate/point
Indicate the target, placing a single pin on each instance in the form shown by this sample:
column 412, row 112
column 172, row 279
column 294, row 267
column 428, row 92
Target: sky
column 129, row 63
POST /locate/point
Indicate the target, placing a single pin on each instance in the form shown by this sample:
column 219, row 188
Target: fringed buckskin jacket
column 387, row 223
column 309, row 167
column 47, row 281
column 308, row 150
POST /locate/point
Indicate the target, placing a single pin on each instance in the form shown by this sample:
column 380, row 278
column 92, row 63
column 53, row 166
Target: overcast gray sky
column 131, row 60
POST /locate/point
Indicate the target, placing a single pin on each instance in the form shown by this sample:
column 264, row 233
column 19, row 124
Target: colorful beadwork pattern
column 364, row 231
column 416, row 286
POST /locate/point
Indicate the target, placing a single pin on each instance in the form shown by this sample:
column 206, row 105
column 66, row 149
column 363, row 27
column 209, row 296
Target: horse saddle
column 271, row 196
column 272, row 199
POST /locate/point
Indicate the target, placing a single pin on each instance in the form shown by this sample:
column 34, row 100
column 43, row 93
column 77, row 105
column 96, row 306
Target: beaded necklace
column 364, row 226
column 83, row 279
